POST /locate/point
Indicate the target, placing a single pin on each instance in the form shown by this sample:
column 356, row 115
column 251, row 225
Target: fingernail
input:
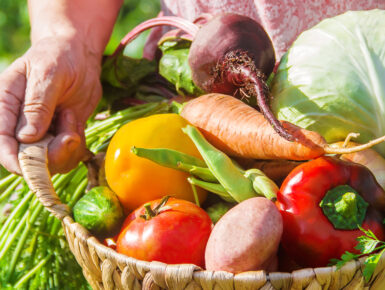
column 28, row 130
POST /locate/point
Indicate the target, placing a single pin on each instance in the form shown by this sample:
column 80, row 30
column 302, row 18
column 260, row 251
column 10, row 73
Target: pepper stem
column 344, row 207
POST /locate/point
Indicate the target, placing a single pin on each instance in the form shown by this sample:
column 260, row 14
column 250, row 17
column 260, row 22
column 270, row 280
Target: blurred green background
column 14, row 27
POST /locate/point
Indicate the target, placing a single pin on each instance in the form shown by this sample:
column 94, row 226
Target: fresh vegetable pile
column 218, row 181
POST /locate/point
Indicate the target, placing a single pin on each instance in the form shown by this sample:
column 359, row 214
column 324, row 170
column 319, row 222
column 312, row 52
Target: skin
column 55, row 85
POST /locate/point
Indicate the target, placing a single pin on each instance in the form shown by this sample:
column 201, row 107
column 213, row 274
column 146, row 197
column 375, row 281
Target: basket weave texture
column 106, row 269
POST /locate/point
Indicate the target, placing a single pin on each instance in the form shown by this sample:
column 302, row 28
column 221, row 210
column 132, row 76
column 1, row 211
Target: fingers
column 9, row 151
column 41, row 95
column 67, row 148
column 12, row 90
column 62, row 150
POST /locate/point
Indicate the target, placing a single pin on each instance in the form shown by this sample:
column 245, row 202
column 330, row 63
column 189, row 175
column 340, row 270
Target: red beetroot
column 228, row 42
column 230, row 54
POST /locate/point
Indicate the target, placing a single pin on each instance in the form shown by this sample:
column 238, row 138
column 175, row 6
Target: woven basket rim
column 87, row 237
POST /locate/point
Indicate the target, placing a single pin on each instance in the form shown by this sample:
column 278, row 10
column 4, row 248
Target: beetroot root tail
column 238, row 68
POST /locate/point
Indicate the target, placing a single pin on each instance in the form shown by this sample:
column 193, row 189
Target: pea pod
column 202, row 172
column 262, row 184
column 212, row 187
column 167, row 157
column 176, row 160
column 238, row 186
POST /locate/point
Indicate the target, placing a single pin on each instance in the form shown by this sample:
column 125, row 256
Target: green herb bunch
column 368, row 245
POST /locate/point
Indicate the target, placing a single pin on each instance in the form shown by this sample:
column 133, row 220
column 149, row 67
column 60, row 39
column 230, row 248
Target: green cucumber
column 100, row 212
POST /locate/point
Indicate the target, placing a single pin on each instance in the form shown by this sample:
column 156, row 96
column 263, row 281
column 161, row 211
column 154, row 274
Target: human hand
column 54, row 86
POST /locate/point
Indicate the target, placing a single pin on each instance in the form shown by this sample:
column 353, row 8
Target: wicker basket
column 106, row 269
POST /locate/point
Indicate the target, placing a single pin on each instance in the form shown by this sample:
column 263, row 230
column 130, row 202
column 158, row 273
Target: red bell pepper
column 322, row 202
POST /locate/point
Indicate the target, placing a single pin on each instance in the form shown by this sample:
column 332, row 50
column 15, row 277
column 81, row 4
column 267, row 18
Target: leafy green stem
column 30, row 273
column 369, row 246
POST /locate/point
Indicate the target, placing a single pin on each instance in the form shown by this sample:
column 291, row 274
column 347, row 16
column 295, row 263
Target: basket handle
column 33, row 159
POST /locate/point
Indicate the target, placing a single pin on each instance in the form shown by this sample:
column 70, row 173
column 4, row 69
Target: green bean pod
column 262, row 185
column 229, row 176
column 201, row 172
column 167, row 157
column 212, row 187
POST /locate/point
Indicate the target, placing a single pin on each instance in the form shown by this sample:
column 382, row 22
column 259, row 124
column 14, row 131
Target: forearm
column 88, row 20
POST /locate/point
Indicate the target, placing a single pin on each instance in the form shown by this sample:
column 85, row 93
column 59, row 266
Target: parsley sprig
column 368, row 244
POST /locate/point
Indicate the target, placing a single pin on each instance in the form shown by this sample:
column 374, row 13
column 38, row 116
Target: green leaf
column 125, row 72
column 368, row 233
column 346, row 257
column 366, row 245
column 370, row 265
column 332, row 79
column 174, row 66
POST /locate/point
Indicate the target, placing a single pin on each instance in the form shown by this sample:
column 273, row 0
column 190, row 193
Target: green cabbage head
column 332, row 79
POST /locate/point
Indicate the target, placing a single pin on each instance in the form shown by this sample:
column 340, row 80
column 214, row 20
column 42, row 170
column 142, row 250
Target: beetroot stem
column 238, row 68
column 177, row 22
column 262, row 101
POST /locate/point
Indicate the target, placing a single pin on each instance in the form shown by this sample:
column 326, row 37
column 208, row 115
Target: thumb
column 39, row 104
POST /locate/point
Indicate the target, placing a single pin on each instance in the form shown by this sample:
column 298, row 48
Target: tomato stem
column 162, row 203
column 149, row 213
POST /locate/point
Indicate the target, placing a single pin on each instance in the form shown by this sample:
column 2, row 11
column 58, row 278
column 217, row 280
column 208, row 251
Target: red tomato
column 178, row 233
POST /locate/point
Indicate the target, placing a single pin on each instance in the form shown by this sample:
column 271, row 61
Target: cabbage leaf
column 332, row 79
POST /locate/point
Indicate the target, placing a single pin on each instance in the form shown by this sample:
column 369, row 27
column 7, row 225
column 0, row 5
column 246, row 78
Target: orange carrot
column 239, row 130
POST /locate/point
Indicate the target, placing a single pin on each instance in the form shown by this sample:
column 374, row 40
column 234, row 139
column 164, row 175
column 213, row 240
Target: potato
column 246, row 238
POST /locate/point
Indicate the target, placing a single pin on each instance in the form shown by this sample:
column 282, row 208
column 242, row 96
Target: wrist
column 73, row 47
column 70, row 39
column 89, row 21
